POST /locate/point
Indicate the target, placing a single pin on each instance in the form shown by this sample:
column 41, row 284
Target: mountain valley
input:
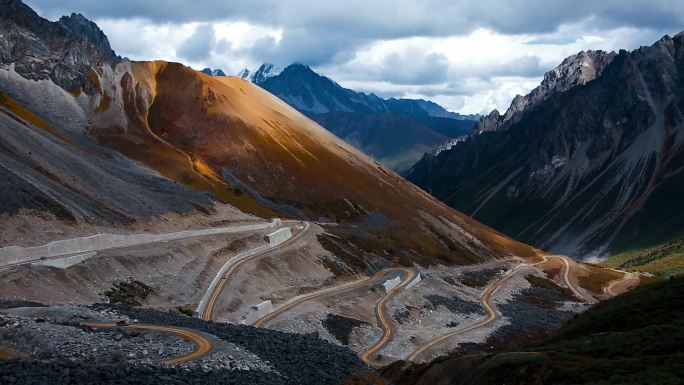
column 396, row 132
column 160, row 224
column 577, row 167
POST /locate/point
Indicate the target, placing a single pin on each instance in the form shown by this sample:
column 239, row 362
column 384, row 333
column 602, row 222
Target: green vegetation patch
column 634, row 338
column 662, row 260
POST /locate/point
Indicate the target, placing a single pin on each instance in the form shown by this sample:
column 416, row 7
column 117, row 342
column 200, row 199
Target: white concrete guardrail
column 64, row 262
column 15, row 255
column 279, row 236
column 257, row 312
column 391, row 284
column 414, row 282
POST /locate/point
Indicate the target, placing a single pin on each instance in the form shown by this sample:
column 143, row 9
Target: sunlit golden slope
column 229, row 137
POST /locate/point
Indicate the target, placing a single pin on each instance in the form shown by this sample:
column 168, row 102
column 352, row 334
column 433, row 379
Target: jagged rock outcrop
column 39, row 49
column 264, row 72
column 244, row 74
column 574, row 71
column 79, row 26
column 489, row 122
column 589, row 166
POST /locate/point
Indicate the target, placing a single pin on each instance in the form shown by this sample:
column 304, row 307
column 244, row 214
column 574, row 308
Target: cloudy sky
column 469, row 56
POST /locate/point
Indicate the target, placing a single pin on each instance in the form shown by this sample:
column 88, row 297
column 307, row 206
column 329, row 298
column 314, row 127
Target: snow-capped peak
column 244, row 74
column 215, row 72
column 266, row 71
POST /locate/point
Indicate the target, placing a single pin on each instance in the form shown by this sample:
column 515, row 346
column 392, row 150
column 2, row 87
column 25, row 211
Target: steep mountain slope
column 47, row 168
column 588, row 171
column 396, row 132
column 240, row 135
column 575, row 70
column 47, row 161
column 218, row 135
column 663, row 260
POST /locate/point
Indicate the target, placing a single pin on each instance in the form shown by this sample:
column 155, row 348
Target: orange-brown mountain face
column 229, row 137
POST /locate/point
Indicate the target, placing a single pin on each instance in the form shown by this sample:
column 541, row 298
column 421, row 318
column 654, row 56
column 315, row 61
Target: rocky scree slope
column 244, row 142
column 291, row 358
column 64, row 52
column 48, row 162
column 635, row 338
column 588, row 171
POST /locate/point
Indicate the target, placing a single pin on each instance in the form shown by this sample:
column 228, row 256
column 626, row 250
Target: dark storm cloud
column 389, row 19
column 525, row 66
column 199, row 45
column 312, row 47
column 330, row 34
column 415, row 67
column 319, row 32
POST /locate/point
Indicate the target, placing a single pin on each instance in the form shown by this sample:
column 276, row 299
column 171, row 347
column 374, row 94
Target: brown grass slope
column 233, row 139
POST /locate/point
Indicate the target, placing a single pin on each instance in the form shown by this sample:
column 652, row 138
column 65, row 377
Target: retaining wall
column 65, row 262
column 391, row 284
column 279, row 236
column 414, row 282
column 257, row 312
column 212, row 286
column 17, row 254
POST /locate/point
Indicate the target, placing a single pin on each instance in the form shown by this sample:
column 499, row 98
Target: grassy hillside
column 636, row 338
column 662, row 260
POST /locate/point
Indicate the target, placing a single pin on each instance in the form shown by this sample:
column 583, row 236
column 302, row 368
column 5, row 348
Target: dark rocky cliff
column 64, row 51
column 592, row 169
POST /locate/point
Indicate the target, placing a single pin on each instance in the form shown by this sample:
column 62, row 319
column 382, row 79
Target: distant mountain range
column 213, row 72
column 588, row 163
column 397, row 132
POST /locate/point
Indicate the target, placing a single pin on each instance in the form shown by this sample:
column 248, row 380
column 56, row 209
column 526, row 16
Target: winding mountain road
column 380, row 312
column 566, row 277
column 298, row 300
column 384, row 320
column 12, row 256
column 206, row 309
column 202, row 344
column 492, row 314
column 628, row 276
